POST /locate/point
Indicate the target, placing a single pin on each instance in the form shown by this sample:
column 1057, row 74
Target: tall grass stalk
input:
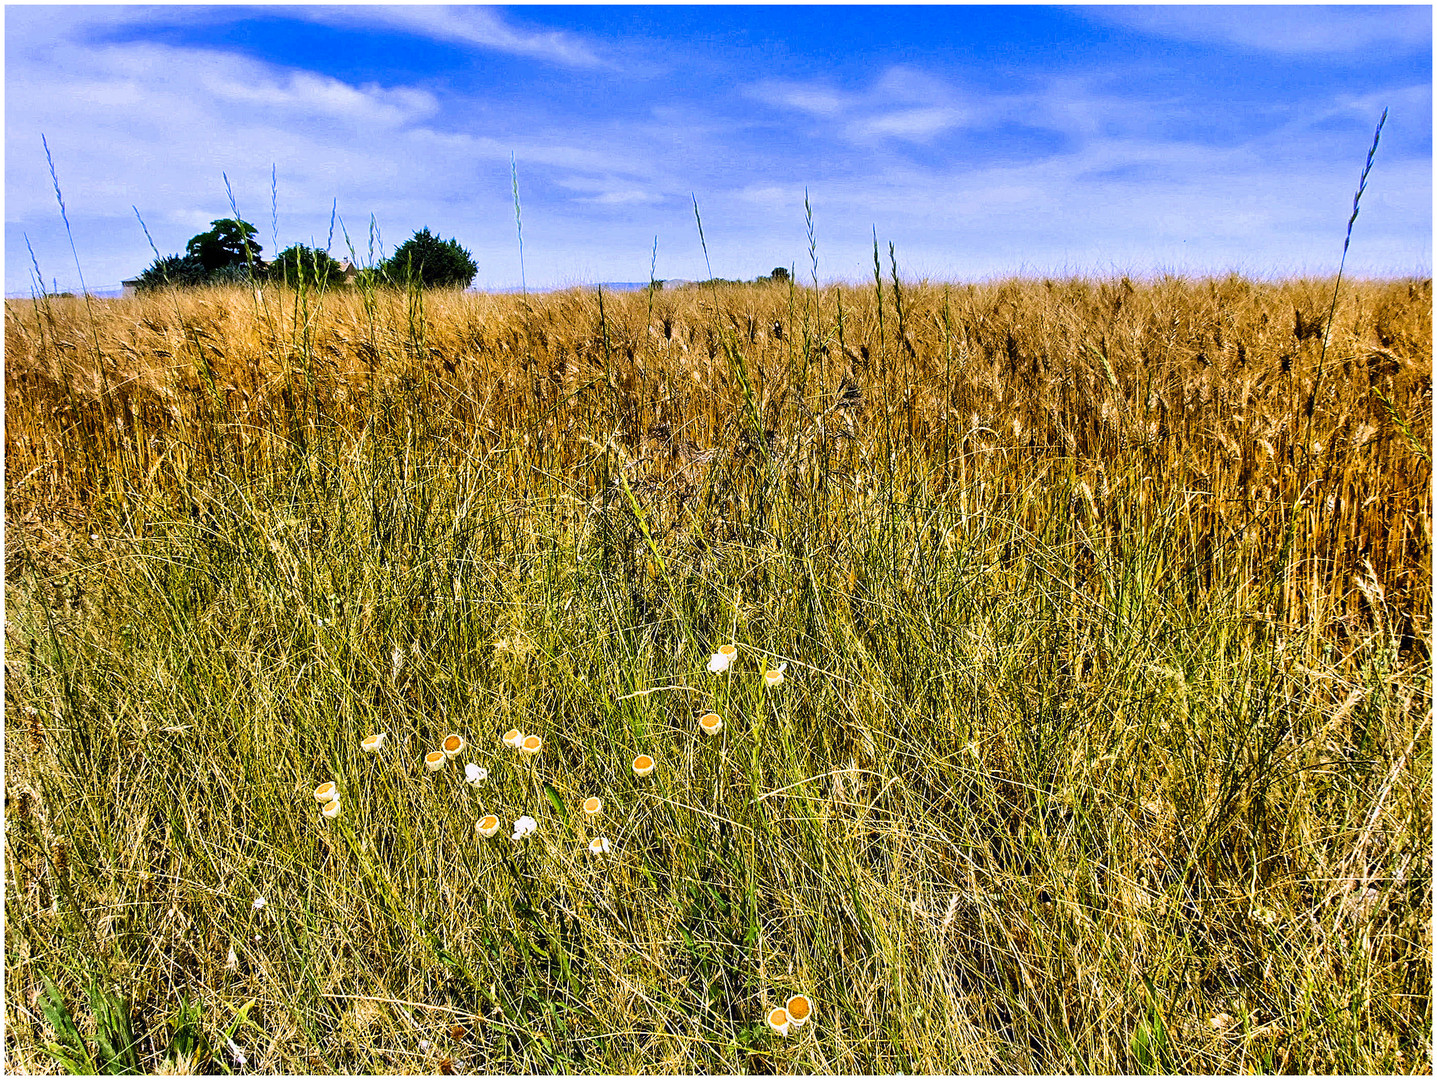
column 1337, row 283
column 100, row 364
column 518, row 223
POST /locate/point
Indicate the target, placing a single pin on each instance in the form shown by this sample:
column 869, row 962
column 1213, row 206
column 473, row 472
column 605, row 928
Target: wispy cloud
column 209, row 111
column 316, row 97
column 902, row 103
column 483, row 28
column 815, row 99
column 917, row 125
column 1288, row 30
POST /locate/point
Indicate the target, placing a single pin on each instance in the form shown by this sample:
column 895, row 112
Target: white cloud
column 314, row 97
column 1289, row 30
column 903, row 103
column 812, row 98
column 916, row 125
column 629, row 197
column 905, row 83
column 481, row 27
column 144, row 117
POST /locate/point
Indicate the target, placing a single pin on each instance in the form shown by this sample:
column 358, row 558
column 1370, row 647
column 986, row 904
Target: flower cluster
column 525, row 744
column 784, row 1019
column 722, row 660
column 791, row 1015
column 327, row 795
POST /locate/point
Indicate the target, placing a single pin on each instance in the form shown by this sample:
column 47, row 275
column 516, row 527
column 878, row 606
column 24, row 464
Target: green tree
column 171, row 270
column 429, row 261
column 300, row 262
column 230, row 242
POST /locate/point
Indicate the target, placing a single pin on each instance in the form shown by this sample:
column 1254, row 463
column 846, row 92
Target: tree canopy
column 229, row 242
column 171, row 270
column 299, row 262
column 227, row 252
column 425, row 259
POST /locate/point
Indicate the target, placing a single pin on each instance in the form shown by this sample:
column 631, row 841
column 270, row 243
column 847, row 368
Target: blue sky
column 980, row 141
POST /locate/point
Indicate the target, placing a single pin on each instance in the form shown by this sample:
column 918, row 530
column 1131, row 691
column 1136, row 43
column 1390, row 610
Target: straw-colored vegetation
column 1103, row 741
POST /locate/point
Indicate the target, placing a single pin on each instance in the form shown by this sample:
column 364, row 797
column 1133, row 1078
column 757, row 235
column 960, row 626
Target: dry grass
column 1106, row 607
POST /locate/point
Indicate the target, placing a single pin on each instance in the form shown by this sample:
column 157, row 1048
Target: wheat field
column 1102, row 741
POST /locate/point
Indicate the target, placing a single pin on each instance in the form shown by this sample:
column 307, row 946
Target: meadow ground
column 1103, row 741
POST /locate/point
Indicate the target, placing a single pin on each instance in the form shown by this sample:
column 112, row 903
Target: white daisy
column 778, row 1019
column 721, row 660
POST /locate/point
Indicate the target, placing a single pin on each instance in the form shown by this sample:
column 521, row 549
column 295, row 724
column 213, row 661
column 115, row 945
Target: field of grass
column 1103, row 742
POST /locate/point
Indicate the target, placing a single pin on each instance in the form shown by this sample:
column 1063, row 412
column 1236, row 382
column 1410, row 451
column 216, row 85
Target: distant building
column 127, row 287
